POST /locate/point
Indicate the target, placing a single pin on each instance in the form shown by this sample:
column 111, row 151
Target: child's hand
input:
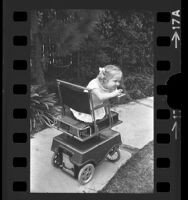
column 117, row 92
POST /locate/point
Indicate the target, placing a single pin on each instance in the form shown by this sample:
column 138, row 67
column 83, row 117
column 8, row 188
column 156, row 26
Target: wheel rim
column 86, row 174
column 115, row 156
column 55, row 160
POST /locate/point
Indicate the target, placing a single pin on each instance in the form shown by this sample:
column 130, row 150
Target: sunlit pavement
column 136, row 131
column 137, row 127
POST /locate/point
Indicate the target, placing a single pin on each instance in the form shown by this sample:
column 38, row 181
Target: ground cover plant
column 136, row 175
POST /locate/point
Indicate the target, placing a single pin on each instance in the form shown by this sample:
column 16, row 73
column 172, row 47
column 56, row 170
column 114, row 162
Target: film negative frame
column 16, row 84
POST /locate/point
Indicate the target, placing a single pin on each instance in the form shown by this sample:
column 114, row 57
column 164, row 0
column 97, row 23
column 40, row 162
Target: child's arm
column 105, row 95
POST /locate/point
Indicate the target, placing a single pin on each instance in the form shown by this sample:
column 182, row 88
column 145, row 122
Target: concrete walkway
column 137, row 127
column 136, row 131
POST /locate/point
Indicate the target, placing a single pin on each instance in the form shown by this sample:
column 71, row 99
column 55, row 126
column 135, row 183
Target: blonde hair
column 108, row 72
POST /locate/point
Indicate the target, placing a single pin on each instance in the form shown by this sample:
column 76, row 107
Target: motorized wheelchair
column 82, row 146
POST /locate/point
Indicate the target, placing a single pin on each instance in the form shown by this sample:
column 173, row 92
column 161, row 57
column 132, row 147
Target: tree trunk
column 77, row 66
column 37, row 73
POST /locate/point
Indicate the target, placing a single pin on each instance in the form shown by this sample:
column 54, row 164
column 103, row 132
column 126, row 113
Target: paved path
column 137, row 127
column 46, row 178
column 136, row 131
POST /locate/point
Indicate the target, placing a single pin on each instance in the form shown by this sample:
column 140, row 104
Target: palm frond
column 43, row 108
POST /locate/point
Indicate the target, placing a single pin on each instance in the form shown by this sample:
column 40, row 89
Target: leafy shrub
column 139, row 85
column 43, row 108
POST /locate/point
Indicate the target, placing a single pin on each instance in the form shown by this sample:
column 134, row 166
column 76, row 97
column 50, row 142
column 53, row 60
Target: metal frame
column 92, row 108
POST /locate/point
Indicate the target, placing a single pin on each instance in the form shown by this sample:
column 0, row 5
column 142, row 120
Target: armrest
column 118, row 99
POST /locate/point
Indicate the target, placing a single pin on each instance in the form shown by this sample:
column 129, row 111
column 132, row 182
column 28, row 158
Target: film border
column 16, row 144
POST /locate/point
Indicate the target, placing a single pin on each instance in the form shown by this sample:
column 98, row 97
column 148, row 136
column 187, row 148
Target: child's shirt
column 100, row 112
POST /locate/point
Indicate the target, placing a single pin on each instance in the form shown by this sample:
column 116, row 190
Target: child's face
column 114, row 82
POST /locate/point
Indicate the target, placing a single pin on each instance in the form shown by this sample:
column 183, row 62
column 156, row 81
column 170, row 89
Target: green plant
column 139, row 85
column 43, row 108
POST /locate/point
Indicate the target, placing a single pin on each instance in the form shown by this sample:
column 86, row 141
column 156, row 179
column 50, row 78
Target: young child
column 103, row 87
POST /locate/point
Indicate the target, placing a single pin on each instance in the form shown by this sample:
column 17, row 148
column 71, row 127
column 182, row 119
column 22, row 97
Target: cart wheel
column 56, row 161
column 113, row 156
column 86, row 173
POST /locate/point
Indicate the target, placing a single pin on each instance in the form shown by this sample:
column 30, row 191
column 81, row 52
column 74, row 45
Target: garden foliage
column 43, row 108
column 72, row 44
